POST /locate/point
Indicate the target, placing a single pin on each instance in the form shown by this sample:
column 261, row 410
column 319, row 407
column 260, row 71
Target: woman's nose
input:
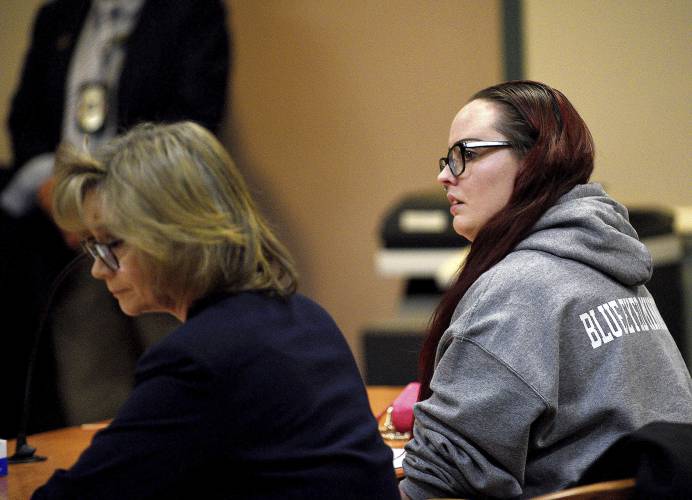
column 445, row 177
column 99, row 270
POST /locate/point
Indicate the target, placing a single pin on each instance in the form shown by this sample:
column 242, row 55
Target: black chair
column 658, row 456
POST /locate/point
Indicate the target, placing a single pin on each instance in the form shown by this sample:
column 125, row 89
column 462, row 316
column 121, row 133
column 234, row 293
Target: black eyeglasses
column 103, row 251
column 463, row 150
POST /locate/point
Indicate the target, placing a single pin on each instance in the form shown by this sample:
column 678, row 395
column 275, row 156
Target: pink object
column 402, row 407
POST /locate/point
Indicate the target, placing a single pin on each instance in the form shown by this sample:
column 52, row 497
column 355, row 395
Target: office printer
column 419, row 243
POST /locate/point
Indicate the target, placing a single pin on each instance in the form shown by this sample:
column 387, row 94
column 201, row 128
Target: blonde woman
column 256, row 395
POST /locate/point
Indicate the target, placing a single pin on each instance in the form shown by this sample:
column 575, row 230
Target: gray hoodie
column 551, row 355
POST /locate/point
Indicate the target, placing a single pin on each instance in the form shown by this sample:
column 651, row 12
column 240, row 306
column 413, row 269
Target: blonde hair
column 174, row 194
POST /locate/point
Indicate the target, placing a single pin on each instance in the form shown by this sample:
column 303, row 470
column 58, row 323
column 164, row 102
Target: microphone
column 23, row 452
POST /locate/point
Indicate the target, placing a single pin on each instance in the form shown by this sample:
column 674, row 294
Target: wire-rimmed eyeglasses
column 103, row 251
column 463, row 150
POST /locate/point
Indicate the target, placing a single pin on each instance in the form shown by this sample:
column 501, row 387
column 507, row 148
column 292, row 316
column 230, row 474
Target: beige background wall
column 627, row 67
column 16, row 17
column 338, row 108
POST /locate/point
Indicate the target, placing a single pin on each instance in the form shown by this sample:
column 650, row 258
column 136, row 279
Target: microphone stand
column 25, row 453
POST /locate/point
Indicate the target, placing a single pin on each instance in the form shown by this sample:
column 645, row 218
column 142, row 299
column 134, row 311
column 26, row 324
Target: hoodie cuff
column 419, row 491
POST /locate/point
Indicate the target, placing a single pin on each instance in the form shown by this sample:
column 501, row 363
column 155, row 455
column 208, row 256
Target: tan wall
column 627, row 67
column 338, row 108
column 16, row 17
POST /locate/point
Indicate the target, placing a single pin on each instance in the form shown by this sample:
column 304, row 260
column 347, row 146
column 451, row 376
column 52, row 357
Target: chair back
column 622, row 489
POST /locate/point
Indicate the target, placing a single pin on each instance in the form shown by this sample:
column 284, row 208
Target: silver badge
column 92, row 106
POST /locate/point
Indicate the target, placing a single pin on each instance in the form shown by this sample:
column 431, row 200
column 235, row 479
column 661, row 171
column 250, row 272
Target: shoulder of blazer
column 158, row 17
column 59, row 23
column 156, row 33
column 64, row 14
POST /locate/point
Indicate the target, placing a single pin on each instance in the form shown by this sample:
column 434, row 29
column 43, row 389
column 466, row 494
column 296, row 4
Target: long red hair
column 557, row 153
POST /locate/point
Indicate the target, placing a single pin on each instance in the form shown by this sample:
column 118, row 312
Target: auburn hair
column 557, row 153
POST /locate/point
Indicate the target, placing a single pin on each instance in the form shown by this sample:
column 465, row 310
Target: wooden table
column 381, row 396
column 63, row 447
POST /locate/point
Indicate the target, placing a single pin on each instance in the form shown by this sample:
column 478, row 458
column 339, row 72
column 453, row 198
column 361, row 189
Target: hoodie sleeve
column 471, row 436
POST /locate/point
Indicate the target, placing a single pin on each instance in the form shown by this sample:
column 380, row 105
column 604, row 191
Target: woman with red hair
column 548, row 347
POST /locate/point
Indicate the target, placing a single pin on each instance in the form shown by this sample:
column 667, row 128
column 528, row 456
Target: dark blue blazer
column 253, row 397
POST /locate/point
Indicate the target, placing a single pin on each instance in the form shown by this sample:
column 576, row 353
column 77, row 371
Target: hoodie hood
column 588, row 226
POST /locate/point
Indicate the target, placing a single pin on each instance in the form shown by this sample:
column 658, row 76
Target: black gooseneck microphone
column 23, row 452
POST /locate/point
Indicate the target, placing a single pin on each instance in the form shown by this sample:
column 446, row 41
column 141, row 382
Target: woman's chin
column 129, row 312
column 463, row 230
column 137, row 310
column 129, row 309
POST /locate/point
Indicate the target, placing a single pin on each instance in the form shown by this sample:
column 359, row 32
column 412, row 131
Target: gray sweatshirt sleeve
column 472, row 435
